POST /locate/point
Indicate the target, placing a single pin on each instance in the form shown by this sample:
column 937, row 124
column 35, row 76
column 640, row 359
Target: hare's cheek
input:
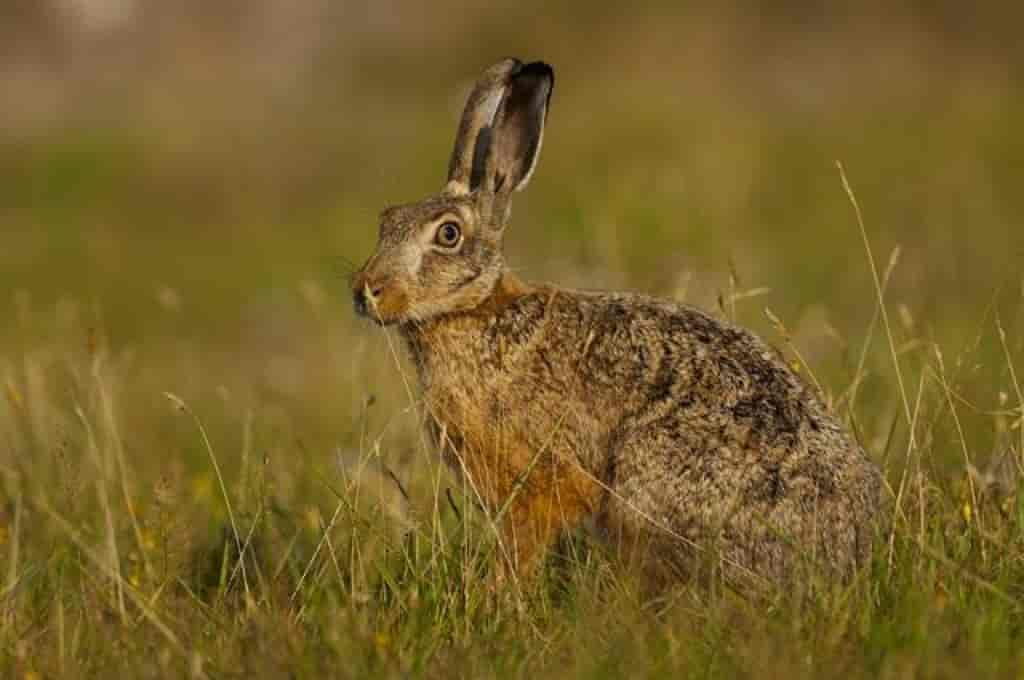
column 435, row 274
column 392, row 304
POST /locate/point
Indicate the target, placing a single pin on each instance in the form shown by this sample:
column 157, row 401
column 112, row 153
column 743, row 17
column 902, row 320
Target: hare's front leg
column 550, row 500
column 534, row 496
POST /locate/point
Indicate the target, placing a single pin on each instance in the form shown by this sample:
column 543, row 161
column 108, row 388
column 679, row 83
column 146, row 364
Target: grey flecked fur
column 678, row 433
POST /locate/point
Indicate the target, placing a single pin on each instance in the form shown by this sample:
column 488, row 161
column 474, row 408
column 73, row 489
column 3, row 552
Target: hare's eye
column 448, row 235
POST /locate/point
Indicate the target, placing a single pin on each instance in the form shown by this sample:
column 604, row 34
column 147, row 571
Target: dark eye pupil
column 449, row 233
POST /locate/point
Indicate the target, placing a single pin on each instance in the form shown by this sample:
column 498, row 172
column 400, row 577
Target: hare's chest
column 464, row 393
column 478, row 435
column 463, row 414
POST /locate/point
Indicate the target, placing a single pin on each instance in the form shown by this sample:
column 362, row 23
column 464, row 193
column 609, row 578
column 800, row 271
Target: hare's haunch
column 676, row 432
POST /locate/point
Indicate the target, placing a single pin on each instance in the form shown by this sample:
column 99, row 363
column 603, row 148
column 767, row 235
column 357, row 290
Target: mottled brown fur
column 671, row 428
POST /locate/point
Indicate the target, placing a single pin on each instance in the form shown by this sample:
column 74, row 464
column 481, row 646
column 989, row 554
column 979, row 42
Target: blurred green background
column 191, row 184
column 193, row 181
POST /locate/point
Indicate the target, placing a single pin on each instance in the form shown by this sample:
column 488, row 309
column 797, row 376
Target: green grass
column 206, row 258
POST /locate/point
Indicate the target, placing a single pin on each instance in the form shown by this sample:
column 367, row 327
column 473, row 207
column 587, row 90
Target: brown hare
column 671, row 429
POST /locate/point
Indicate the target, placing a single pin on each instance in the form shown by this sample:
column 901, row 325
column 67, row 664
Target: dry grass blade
column 324, row 537
column 117, row 446
column 781, row 329
column 947, row 391
column 108, row 515
column 1017, row 389
column 879, row 297
column 13, row 549
column 858, row 375
column 184, row 408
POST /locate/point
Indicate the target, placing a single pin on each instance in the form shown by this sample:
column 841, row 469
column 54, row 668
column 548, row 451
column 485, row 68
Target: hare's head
column 443, row 254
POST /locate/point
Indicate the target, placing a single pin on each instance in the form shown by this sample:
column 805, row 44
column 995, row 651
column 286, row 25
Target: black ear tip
column 535, row 69
column 538, row 69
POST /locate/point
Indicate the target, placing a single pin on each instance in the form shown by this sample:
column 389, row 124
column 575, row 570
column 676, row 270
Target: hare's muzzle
column 367, row 295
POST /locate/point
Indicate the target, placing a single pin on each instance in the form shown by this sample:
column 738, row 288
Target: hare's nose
column 359, row 301
column 366, row 293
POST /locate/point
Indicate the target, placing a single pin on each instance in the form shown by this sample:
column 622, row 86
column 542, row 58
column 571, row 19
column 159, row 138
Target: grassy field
column 184, row 382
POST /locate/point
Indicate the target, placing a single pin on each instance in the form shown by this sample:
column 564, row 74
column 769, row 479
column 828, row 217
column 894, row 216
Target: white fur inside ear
column 489, row 106
column 486, row 112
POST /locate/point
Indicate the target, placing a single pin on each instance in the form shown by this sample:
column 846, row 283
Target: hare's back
column 663, row 358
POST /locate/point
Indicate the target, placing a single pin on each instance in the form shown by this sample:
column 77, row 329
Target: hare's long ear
column 473, row 140
column 518, row 129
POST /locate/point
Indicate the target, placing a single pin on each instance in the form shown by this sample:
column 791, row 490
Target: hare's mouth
column 382, row 322
column 378, row 319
